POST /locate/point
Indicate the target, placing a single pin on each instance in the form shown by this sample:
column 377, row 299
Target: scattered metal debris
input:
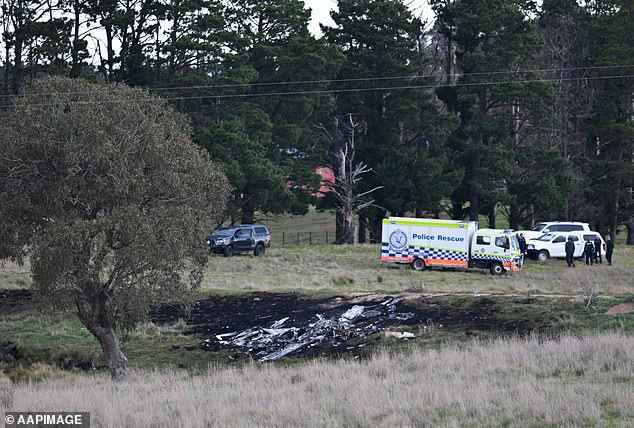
column 399, row 334
column 278, row 339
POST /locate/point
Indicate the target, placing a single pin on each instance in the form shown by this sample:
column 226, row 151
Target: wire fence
column 302, row 238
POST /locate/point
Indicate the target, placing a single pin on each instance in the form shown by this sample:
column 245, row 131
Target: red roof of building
column 327, row 177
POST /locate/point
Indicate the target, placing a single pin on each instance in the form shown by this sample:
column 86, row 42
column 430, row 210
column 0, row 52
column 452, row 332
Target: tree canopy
column 101, row 186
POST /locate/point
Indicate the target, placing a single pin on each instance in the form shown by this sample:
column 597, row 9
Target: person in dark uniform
column 570, row 252
column 609, row 247
column 522, row 242
column 597, row 249
column 588, row 250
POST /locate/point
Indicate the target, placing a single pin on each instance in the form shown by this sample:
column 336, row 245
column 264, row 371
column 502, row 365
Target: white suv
column 554, row 244
column 554, row 226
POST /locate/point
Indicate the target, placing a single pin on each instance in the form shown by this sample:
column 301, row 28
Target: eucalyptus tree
column 102, row 188
column 382, row 82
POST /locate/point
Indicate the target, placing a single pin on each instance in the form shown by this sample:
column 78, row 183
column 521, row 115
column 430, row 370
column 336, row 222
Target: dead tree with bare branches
column 347, row 175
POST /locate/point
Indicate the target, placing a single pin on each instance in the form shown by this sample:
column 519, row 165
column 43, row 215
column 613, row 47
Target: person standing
column 570, row 252
column 522, row 242
column 609, row 247
column 588, row 250
column 597, row 249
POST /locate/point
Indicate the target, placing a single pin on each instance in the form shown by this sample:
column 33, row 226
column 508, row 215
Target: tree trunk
column 75, row 68
column 457, row 212
column 248, row 217
column 375, row 223
column 248, row 213
column 614, row 214
column 91, row 303
column 362, row 231
column 348, row 229
column 630, row 232
column 115, row 359
column 16, row 83
column 476, row 159
column 530, row 221
column 338, row 227
column 110, row 52
column 514, row 217
column 474, row 190
column 491, row 217
column 614, row 208
column 7, row 66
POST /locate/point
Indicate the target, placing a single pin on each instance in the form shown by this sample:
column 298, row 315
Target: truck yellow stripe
column 422, row 223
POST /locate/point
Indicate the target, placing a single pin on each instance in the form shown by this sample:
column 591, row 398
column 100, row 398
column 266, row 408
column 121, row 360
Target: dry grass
column 565, row 382
column 287, row 228
column 358, row 268
column 333, row 268
column 14, row 276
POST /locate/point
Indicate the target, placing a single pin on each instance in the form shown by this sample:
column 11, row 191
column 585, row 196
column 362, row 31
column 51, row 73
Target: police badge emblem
column 398, row 239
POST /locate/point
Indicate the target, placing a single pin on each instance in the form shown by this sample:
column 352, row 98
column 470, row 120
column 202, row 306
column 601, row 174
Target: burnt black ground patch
column 433, row 320
column 214, row 320
column 15, row 301
column 230, row 314
column 336, row 326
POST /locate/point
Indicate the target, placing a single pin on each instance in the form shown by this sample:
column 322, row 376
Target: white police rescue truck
column 424, row 243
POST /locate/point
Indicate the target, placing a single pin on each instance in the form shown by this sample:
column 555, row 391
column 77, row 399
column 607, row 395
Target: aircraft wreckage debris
column 280, row 339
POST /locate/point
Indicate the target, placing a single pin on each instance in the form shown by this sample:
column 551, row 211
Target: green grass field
column 331, row 269
column 316, row 227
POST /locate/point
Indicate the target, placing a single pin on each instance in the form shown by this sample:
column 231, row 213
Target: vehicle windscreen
column 539, row 227
column 224, row 232
column 547, row 237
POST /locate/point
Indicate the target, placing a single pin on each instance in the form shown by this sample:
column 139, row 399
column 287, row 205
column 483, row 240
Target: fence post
column 297, row 238
column 326, row 237
column 283, row 233
column 310, row 238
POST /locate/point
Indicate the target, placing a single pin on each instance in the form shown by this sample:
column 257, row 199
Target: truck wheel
column 418, row 264
column 496, row 268
column 259, row 250
column 542, row 256
column 228, row 251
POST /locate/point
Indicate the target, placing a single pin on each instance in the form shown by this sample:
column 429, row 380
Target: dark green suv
column 245, row 238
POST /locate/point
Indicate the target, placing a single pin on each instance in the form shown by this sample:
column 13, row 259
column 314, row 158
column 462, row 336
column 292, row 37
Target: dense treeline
column 498, row 107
